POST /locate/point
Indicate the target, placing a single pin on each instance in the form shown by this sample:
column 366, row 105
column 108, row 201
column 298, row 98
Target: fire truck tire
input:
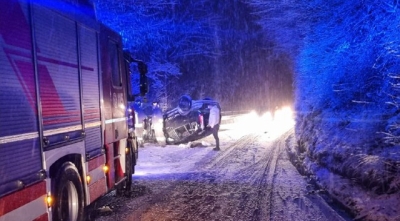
column 124, row 189
column 69, row 199
column 136, row 148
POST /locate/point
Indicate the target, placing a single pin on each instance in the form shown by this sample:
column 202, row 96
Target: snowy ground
column 251, row 178
column 361, row 203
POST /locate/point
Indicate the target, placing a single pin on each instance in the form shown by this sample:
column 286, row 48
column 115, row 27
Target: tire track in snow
column 202, row 186
column 233, row 149
column 257, row 204
column 236, row 184
column 265, row 185
column 258, row 176
column 203, row 195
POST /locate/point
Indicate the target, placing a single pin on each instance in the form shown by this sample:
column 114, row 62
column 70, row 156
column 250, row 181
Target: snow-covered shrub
column 347, row 86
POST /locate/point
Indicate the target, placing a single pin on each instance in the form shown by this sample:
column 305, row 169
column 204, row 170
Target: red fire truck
column 64, row 88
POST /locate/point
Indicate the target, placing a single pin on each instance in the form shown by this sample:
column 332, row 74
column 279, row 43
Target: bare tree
column 162, row 33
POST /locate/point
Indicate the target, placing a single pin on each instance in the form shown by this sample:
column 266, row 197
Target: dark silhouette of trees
column 163, row 33
column 203, row 48
column 346, row 62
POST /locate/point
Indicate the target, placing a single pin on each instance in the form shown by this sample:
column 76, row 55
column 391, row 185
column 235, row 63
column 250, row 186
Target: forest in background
column 204, row 49
column 338, row 61
column 342, row 56
column 347, row 71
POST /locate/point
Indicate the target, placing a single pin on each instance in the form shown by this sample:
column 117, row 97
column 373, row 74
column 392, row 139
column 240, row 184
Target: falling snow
column 341, row 57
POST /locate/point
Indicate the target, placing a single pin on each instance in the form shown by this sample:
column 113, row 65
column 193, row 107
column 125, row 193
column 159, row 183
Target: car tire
column 69, row 198
column 185, row 104
column 168, row 142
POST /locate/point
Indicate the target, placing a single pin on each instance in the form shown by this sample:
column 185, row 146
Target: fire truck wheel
column 124, row 189
column 136, row 148
column 69, row 200
column 129, row 171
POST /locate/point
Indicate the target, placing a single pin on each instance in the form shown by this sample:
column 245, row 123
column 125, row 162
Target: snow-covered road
column 251, row 178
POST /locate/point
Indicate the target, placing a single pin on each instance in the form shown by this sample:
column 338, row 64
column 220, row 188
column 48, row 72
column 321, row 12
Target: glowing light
column 49, row 200
column 88, row 178
column 126, row 150
column 105, row 168
column 266, row 123
column 140, row 173
column 267, row 116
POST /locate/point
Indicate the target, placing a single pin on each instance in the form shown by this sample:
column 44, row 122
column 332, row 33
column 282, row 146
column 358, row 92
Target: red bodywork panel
column 114, row 85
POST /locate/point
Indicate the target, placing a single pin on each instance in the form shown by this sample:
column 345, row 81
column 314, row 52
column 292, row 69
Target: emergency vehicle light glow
column 88, row 178
column 49, row 200
column 105, row 168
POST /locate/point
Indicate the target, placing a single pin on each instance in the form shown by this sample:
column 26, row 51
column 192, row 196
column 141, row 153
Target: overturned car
column 188, row 121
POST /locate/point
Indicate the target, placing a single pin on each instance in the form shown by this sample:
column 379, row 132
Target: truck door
column 114, row 86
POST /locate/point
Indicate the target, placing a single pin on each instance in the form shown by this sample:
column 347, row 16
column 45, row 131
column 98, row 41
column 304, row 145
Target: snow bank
column 363, row 202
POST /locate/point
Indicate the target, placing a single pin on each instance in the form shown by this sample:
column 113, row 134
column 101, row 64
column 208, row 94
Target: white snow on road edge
column 364, row 205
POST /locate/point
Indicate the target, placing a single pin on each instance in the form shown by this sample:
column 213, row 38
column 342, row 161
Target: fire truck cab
column 64, row 88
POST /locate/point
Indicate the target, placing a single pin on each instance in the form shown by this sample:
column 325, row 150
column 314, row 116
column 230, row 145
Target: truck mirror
column 143, row 84
column 143, row 78
column 142, row 68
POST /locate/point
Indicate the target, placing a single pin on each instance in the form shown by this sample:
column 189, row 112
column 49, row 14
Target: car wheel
column 185, row 104
column 69, row 199
column 168, row 142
